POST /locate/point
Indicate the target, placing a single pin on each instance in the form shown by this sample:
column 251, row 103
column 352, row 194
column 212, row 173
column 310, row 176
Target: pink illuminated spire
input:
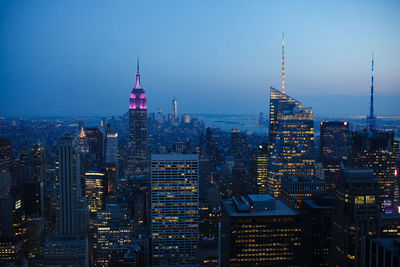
column 138, row 86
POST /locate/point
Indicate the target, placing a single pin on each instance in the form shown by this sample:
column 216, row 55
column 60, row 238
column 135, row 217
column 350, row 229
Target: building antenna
column 283, row 62
column 371, row 107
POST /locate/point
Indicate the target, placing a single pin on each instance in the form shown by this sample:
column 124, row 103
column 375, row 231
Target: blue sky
column 79, row 57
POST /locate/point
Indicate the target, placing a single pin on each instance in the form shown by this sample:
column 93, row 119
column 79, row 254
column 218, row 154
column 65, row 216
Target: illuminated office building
column 110, row 228
column 174, row 208
column 355, row 215
column 96, row 190
column 334, row 149
column 138, row 156
column 374, row 150
column 260, row 230
column 297, row 188
column 291, row 140
column 112, row 147
column 258, row 169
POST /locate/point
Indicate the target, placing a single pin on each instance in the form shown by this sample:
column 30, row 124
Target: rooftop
column 260, row 205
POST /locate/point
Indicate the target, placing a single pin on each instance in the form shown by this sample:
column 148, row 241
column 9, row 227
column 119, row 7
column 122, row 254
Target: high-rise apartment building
column 138, row 156
column 334, row 149
column 174, row 208
column 291, row 137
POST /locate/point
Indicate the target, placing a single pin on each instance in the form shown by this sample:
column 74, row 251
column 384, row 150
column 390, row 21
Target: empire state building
column 138, row 157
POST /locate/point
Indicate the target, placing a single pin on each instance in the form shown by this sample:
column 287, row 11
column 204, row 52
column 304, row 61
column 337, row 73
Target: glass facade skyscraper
column 291, row 140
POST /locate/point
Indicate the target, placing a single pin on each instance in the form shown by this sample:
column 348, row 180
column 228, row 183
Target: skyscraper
column 291, row 137
column 237, row 144
column 95, row 141
column 355, row 215
column 334, row 148
column 70, row 208
column 138, row 156
column 38, row 162
column 174, row 109
column 112, row 146
column 174, row 207
column 258, row 169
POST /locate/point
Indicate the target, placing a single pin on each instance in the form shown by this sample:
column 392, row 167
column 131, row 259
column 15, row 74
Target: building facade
column 291, row 140
column 174, row 208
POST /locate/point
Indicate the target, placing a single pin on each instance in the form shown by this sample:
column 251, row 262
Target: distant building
column 95, row 142
column 174, row 208
column 174, row 110
column 258, row 169
column 38, row 163
column 334, row 149
column 260, row 230
column 297, row 188
column 5, row 151
column 112, row 147
column 5, row 181
column 96, row 190
column 237, row 144
column 82, row 142
column 356, row 215
column 291, row 137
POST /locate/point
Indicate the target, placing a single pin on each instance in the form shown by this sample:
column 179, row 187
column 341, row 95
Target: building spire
column 138, row 86
column 283, row 62
column 371, row 107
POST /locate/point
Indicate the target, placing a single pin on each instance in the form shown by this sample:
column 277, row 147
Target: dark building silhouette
column 95, row 142
column 317, row 229
column 356, row 215
column 334, row 149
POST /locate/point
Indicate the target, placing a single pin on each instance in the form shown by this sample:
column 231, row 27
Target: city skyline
column 86, row 65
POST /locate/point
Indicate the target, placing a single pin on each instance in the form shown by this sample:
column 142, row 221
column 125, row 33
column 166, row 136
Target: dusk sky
column 61, row 58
